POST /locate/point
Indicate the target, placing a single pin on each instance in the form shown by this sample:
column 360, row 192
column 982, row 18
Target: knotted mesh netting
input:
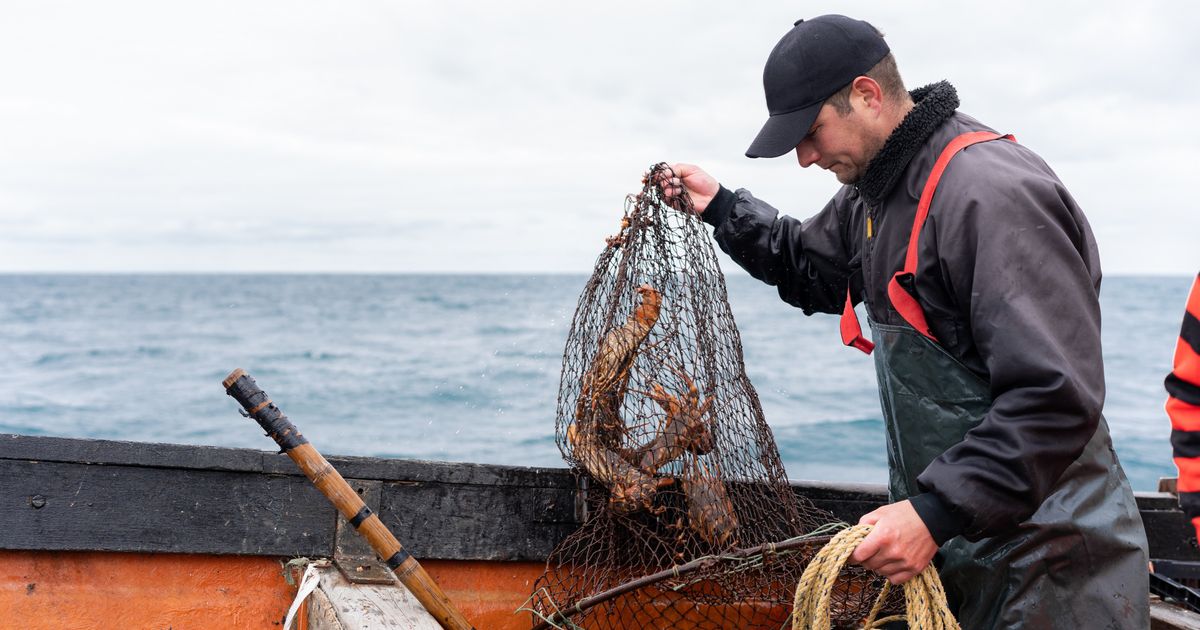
column 690, row 520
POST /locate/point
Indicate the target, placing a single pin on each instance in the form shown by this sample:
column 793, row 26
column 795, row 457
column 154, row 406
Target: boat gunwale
column 258, row 503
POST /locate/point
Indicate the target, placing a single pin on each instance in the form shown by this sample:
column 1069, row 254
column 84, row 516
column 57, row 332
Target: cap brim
column 783, row 132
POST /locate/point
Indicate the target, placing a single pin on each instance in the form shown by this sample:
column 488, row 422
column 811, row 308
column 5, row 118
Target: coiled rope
column 925, row 600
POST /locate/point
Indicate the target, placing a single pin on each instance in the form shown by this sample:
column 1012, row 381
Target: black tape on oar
column 269, row 417
column 397, row 559
column 362, row 515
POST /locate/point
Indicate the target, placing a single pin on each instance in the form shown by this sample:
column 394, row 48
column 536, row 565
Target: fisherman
column 986, row 329
column 1183, row 406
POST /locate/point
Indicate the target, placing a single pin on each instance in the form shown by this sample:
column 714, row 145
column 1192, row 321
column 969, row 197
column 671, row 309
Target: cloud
column 420, row 136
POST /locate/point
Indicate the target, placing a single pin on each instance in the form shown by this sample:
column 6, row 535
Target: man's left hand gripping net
column 687, row 500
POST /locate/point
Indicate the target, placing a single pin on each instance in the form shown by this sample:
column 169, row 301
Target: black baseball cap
column 812, row 62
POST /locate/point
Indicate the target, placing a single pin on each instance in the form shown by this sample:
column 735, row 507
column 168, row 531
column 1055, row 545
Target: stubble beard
column 855, row 172
column 849, row 178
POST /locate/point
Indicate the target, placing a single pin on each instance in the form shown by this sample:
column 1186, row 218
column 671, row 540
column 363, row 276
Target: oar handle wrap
column 254, row 400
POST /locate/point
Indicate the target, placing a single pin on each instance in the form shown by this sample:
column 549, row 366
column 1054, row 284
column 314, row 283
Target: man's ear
column 866, row 92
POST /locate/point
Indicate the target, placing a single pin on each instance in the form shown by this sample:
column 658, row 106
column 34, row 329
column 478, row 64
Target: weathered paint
column 99, row 590
column 488, row 593
column 49, row 590
column 104, row 590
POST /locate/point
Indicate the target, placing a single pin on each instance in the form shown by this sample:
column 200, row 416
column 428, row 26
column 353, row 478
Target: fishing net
column 690, row 520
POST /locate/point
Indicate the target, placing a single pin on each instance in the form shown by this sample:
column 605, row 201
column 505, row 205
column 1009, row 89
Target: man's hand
column 899, row 547
column 700, row 186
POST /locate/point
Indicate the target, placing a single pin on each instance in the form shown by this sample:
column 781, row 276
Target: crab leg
column 598, row 427
column 630, row 488
column 710, row 512
column 685, row 428
column 605, row 383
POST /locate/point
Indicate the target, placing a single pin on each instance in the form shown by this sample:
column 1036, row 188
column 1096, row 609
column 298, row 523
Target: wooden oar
column 327, row 479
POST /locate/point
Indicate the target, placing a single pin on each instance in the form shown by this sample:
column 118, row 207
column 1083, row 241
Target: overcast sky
column 456, row 136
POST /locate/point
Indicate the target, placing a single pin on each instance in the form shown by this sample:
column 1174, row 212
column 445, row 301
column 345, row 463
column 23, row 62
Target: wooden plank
column 58, row 506
column 55, row 449
column 1170, row 535
column 126, row 496
column 1157, row 500
column 446, row 521
column 846, row 501
column 1166, row 616
column 55, row 590
column 440, row 472
column 365, row 606
column 321, row 613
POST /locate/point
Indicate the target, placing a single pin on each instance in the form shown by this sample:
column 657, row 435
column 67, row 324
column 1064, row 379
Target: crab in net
column 691, row 521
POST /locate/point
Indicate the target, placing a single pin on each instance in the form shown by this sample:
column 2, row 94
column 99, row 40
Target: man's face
column 841, row 144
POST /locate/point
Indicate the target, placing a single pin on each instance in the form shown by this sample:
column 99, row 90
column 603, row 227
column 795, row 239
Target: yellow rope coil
column 925, row 600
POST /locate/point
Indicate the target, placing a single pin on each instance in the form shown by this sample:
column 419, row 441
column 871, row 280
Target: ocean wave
column 462, row 367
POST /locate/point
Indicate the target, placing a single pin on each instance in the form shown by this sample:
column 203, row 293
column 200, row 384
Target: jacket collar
column 933, row 104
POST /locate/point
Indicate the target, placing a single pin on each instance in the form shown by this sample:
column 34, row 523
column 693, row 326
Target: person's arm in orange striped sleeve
column 1183, row 406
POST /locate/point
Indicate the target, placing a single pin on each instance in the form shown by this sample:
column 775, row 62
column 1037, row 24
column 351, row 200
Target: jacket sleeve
column 807, row 261
column 1183, row 406
column 1020, row 261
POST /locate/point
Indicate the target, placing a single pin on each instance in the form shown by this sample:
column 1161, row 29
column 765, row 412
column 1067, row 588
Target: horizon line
column 246, row 272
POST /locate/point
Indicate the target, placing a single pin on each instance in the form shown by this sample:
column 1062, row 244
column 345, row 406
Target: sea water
column 461, row 367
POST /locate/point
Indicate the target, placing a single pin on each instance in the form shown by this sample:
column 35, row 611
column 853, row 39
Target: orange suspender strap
column 901, row 299
column 851, row 330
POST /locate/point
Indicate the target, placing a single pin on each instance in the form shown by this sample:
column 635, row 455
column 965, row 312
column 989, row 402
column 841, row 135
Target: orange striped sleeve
column 1189, row 474
column 1193, row 303
column 1187, row 362
column 1183, row 387
column 1184, row 417
column 1187, row 347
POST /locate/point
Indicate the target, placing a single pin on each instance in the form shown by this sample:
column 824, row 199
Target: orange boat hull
column 101, row 590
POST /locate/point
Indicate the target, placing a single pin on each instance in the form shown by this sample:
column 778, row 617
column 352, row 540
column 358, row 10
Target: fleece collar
column 933, row 104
